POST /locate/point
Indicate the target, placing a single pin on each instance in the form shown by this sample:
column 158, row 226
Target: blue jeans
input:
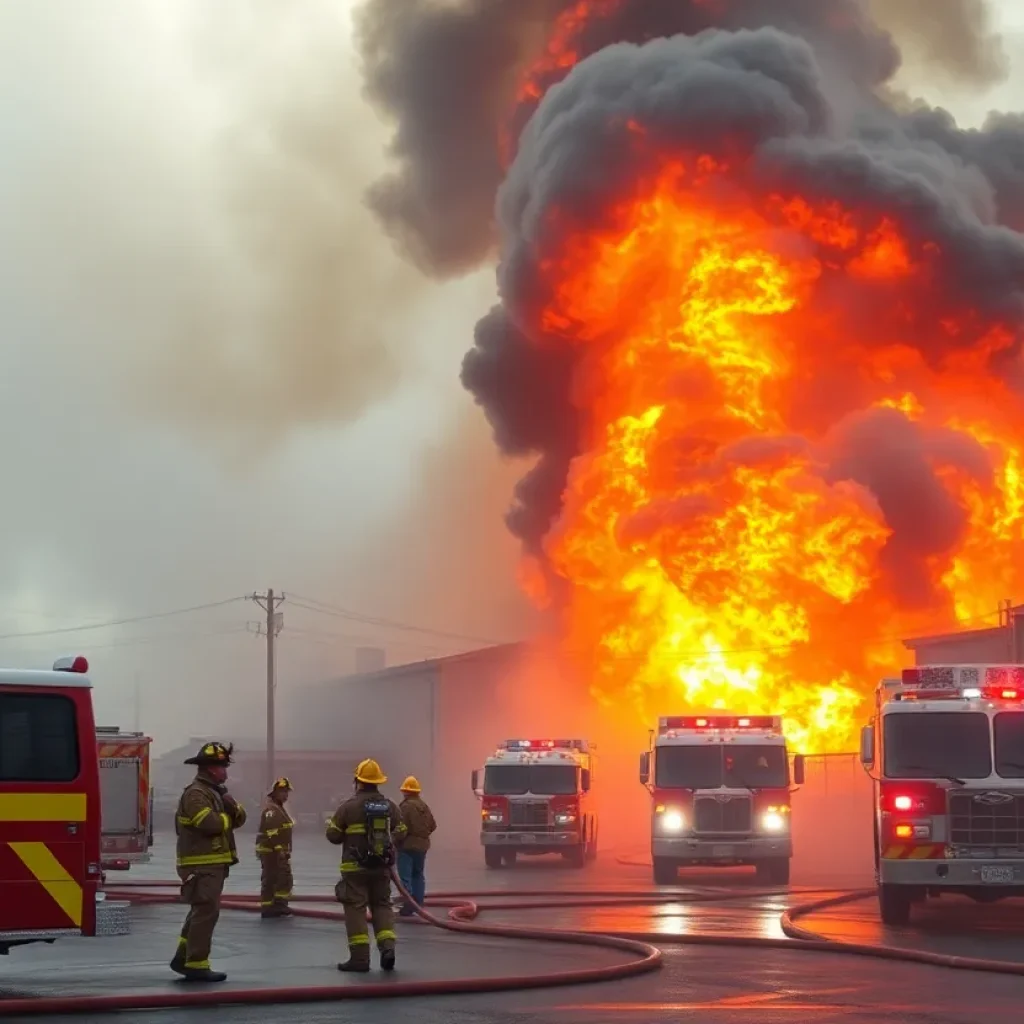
column 411, row 871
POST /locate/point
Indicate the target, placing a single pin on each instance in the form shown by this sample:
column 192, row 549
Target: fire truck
column 126, row 799
column 50, row 870
column 945, row 752
column 535, row 799
column 720, row 794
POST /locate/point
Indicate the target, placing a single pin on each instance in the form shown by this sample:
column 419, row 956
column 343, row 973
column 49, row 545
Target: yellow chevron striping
column 53, row 877
column 922, row 852
column 42, row 806
column 893, row 852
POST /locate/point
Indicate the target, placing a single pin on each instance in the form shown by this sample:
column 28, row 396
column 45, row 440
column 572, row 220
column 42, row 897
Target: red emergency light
column 718, row 722
column 78, row 665
column 544, row 745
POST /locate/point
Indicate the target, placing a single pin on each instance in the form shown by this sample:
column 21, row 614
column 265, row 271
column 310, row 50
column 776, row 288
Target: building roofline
column 412, row 667
column 913, row 643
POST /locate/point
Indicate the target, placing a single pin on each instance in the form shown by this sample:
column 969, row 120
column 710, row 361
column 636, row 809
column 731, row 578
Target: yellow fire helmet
column 281, row 783
column 213, row 754
column 411, row 785
column 368, row 771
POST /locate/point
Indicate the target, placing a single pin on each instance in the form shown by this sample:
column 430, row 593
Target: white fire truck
column 720, row 794
column 945, row 749
column 536, row 798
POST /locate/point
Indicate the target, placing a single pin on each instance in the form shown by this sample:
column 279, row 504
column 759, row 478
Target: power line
column 313, row 605
column 120, row 622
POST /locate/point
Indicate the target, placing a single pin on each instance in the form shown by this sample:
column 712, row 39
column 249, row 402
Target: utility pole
column 269, row 602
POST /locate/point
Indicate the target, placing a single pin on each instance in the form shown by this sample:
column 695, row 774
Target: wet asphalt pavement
column 697, row 983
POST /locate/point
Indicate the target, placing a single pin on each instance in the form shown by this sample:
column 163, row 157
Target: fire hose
column 645, row 955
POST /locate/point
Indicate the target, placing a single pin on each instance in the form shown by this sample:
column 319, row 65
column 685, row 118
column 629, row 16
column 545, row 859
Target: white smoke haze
column 219, row 375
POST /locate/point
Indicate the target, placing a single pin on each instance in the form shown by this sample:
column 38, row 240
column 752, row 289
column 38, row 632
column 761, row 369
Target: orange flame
column 712, row 564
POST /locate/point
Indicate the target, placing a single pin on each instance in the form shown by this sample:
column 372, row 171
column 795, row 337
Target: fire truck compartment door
column 119, row 795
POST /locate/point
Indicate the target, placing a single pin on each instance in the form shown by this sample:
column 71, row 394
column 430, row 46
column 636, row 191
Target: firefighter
column 366, row 826
column 205, row 825
column 419, row 825
column 274, row 849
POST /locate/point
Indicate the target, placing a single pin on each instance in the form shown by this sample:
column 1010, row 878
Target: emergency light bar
column 719, row 722
column 78, row 665
column 543, row 745
column 934, row 682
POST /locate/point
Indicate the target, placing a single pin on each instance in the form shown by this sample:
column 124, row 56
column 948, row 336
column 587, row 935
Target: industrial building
column 1003, row 643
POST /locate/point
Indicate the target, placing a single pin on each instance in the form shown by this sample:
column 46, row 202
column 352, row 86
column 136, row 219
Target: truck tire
column 774, row 871
column 493, row 857
column 894, row 904
column 666, row 872
column 577, row 856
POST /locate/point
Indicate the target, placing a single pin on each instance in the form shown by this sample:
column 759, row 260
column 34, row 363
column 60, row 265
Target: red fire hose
column 462, row 911
column 646, row 957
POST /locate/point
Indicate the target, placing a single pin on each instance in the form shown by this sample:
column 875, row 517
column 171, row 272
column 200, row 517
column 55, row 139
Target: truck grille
column 986, row 819
column 528, row 813
column 728, row 814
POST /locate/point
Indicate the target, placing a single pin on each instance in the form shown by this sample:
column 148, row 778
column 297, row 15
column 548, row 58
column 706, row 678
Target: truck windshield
column 542, row 779
column 710, row 767
column 1009, row 735
column 943, row 744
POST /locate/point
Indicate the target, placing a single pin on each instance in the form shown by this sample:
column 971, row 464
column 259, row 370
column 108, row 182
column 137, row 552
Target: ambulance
column 945, row 752
column 720, row 794
column 50, row 863
column 535, row 799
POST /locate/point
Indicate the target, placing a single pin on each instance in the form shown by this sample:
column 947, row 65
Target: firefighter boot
column 178, row 960
column 202, row 974
column 355, row 964
column 387, row 958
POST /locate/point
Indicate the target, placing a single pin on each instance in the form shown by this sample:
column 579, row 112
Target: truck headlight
column 493, row 817
column 773, row 821
column 672, row 821
column 563, row 818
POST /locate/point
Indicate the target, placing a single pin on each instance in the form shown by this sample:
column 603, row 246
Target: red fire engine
column 536, row 798
column 945, row 750
column 49, row 805
column 720, row 794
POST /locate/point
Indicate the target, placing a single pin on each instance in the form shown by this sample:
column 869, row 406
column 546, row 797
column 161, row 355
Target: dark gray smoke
column 798, row 96
column 447, row 75
column 795, row 106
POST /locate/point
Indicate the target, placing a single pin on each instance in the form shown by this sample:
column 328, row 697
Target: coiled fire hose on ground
column 645, row 956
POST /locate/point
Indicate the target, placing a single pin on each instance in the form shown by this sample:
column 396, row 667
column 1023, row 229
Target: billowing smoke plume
column 776, row 89
column 665, row 173
column 450, row 75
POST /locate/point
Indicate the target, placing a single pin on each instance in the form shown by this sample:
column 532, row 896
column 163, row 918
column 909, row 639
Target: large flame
column 714, row 560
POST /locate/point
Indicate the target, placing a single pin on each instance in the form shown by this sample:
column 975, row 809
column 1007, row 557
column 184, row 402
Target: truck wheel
column 577, row 856
column 492, row 857
column 774, row 871
column 665, row 871
column 893, row 904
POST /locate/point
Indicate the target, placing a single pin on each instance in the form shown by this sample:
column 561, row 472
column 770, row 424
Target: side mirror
column 645, row 768
column 475, row 781
column 585, row 780
column 798, row 769
column 867, row 746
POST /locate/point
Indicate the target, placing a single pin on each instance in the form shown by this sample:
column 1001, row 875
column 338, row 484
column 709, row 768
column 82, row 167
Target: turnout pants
column 357, row 891
column 275, row 879
column 201, row 889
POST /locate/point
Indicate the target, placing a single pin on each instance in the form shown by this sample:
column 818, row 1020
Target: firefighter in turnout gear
column 367, row 826
column 274, row 848
column 412, row 857
column 205, row 825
